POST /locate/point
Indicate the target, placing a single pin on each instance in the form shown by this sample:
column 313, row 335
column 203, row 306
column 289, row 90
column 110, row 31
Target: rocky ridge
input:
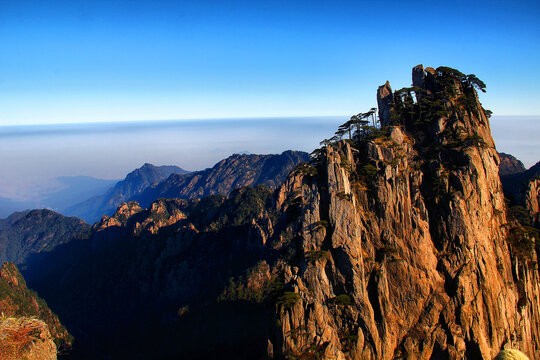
column 236, row 171
column 134, row 183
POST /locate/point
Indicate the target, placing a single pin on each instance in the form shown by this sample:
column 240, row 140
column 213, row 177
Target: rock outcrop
column 21, row 308
column 25, row 339
column 532, row 200
column 384, row 102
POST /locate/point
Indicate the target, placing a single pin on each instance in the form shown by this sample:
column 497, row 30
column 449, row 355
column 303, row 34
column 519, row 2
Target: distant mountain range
column 72, row 190
column 135, row 182
column 233, row 172
column 150, row 182
column 8, row 206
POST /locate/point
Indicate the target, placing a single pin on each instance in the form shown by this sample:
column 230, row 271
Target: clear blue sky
column 117, row 60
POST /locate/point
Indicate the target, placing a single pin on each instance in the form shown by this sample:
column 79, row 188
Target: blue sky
column 92, row 61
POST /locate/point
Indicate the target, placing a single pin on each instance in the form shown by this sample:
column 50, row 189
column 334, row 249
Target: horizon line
column 243, row 118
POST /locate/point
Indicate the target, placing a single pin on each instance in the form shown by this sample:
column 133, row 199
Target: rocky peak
column 405, row 241
column 136, row 220
column 233, row 172
column 384, row 101
column 419, row 76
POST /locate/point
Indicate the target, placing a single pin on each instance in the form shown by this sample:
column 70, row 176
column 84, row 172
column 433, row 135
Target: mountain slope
column 28, row 233
column 235, row 171
column 17, row 301
column 510, row 165
column 515, row 183
column 135, row 182
column 396, row 243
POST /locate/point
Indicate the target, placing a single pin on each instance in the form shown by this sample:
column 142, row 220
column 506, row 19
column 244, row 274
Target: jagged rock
column 384, row 101
column 236, row 171
column 418, row 76
column 532, row 200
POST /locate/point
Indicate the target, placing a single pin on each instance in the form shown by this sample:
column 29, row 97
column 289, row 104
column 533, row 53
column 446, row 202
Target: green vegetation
column 241, row 207
column 522, row 236
column 315, row 255
column 415, row 107
column 341, row 300
column 307, row 169
column 321, row 223
column 368, row 171
column 288, row 299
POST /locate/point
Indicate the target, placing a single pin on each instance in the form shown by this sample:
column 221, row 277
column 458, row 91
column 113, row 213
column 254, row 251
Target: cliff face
column 412, row 262
column 532, row 199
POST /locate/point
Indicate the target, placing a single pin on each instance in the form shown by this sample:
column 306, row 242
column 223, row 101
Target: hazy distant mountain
column 75, row 190
column 30, row 232
column 233, row 172
column 8, row 206
column 135, row 182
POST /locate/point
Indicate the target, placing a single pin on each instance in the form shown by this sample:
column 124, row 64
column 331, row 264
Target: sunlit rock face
column 413, row 260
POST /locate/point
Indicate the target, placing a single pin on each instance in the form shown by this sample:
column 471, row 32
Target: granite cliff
column 412, row 261
column 394, row 243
